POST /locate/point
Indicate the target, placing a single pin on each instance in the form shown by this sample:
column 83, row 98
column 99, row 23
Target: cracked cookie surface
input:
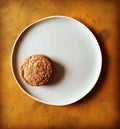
column 36, row 70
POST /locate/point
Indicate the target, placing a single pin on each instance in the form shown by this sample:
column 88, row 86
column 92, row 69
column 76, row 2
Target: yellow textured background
column 100, row 109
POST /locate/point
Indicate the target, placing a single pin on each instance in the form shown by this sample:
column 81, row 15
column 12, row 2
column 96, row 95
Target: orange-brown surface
column 100, row 109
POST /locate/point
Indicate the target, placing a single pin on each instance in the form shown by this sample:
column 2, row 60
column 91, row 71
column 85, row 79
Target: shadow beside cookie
column 58, row 73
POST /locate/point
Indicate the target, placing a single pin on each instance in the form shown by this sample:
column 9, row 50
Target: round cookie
column 36, row 70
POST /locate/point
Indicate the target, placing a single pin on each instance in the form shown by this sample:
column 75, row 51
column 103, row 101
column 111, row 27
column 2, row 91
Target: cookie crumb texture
column 36, row 70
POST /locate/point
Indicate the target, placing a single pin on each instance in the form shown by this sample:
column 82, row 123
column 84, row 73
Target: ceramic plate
column 75, row 55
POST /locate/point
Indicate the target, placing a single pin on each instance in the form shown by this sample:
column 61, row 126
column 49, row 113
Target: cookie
column 36, row 70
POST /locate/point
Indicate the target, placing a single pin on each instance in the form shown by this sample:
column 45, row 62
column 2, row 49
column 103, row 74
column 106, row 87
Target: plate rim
column 30, row 25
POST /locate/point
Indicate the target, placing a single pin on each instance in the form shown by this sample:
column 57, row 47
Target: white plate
column 75, row 53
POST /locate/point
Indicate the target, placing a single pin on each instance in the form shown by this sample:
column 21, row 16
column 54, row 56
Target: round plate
column 75, row 54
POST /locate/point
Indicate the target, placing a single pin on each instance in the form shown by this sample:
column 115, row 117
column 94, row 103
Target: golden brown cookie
column 36, row 70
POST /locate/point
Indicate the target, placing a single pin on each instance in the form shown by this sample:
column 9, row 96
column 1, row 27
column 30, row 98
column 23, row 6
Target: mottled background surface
column 100, row 109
